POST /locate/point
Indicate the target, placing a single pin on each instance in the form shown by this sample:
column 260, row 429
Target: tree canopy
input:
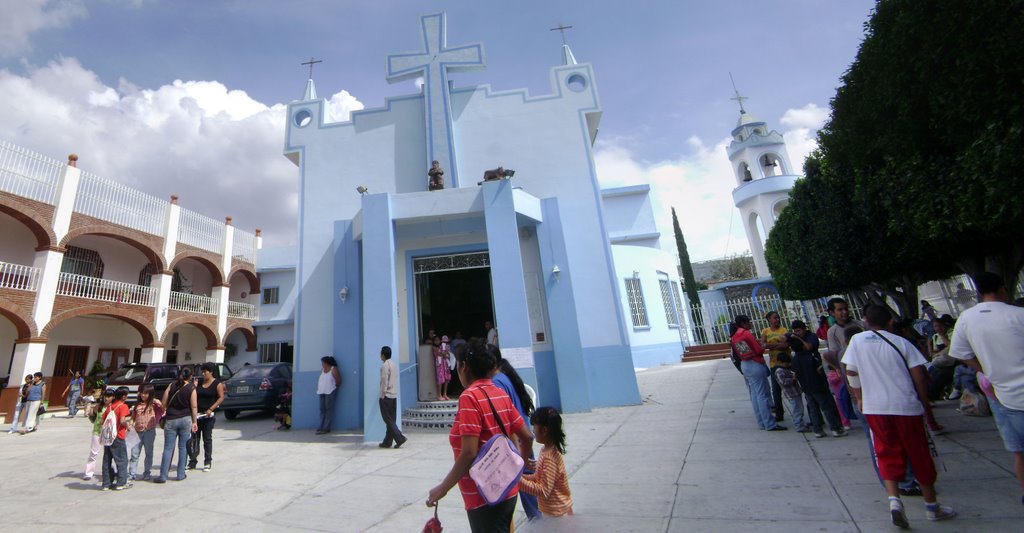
column 918, row 173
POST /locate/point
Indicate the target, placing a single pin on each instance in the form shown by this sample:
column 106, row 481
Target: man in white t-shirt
column 890, row 384
column 492, row 333
column 989, row 338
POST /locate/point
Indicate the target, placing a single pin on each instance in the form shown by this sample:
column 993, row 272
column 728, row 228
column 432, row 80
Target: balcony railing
column 104, row 289
column 243, row 246
column 201, row 231
column 242, row 310
column 110, row 201
column 23, row 278
column 194, row 303
column 28, row 174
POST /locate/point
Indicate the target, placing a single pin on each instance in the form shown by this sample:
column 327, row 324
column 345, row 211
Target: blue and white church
column 572, row 275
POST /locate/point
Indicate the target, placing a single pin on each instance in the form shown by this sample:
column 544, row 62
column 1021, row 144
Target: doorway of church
column 453, row 296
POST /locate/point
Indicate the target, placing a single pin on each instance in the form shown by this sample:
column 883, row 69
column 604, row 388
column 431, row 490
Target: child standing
column 116, row 453
column 443, row 372
column 96, row 412
column 549, row 483
column 283, row 414
column 791, row 391
column 145, row 416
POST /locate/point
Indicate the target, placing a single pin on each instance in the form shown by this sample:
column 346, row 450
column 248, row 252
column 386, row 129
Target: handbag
column 434, row 524
column 498, row 465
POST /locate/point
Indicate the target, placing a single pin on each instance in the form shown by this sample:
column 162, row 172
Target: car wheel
column 230, row 414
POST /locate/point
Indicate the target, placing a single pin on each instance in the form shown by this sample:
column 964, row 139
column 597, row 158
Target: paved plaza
column 690, row 458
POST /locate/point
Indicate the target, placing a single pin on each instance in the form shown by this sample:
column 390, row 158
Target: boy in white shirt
column 889, row 382
column 989, row 338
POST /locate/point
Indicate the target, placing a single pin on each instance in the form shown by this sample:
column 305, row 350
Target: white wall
column 93, row 331
column 284, row 280
column 197, row 275
column 121, row 261
column 17, row 243
column 8, row 334
column 191, row 344
column 648, row 262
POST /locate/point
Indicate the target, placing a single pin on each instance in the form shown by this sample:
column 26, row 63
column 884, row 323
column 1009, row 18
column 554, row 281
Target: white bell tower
column 764, row 176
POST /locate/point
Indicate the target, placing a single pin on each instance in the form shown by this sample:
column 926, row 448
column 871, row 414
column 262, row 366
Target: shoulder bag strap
column 495, row 412
column 890, row 343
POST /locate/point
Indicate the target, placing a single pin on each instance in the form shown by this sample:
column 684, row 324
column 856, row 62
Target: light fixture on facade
column 636, row 274
column 362, row 190
column 556, row 272
column 343, row 294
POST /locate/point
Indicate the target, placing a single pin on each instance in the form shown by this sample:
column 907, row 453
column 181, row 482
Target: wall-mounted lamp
column 636, row 274
column 556, row 272
column 343, row 294
column 362, row 190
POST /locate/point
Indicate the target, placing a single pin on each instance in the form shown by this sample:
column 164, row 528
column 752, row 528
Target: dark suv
column 160, row 375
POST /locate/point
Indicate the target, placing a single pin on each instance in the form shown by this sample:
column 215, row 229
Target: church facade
column 572, row 276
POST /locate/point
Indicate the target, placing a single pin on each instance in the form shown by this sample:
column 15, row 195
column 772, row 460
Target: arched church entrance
column 453, row 295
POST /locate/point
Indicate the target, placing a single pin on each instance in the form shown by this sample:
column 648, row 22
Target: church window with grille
column 671, row 316
column 637, row 307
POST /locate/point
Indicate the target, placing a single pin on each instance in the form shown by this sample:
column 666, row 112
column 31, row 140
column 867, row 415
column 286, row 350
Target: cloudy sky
column 187, row 96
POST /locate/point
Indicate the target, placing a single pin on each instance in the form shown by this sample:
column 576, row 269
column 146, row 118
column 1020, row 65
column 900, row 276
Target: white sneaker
column 941, row 512
column 955, row 395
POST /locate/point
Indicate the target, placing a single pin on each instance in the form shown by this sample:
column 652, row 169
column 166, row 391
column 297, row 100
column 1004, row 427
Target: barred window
column 666, row 300
column 678, row 300
column 270, row 295
column 637, row 308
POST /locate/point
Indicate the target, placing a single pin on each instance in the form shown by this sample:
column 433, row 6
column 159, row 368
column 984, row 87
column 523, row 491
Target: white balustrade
column 106, row 290
column 242, row 310
column 201, row 231
column 27, row 174
column 112, row 202
column 194, row 303
column 243, row 246
column 21, row 277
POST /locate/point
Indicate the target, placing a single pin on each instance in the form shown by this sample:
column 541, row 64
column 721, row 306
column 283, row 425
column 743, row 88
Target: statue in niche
column 436, row 177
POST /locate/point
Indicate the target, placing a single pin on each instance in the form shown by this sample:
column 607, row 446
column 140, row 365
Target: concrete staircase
column 706, row 352
column 430, row 416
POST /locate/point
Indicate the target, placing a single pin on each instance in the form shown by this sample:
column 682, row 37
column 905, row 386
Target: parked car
column 256, row 388
column 160, row 375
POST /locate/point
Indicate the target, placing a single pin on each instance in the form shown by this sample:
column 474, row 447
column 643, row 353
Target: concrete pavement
column 690, row 458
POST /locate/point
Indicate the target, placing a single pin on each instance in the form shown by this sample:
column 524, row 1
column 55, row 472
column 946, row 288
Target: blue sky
column 98, row 78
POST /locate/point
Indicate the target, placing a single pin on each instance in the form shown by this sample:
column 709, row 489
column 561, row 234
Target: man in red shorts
column 889, row 381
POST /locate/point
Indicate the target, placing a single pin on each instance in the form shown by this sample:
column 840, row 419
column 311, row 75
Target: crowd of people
column 886, row 373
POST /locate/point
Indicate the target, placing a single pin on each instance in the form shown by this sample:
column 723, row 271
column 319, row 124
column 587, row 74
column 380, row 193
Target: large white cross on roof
column 434, row 63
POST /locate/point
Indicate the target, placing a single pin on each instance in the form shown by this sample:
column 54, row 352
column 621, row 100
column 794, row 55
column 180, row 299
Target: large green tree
column 689, row 283
column 920, row 166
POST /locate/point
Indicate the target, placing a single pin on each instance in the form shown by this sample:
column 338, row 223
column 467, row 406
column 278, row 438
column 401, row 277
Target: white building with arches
column 764, row 176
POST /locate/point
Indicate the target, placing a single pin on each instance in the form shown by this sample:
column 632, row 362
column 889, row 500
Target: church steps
column 430, row 416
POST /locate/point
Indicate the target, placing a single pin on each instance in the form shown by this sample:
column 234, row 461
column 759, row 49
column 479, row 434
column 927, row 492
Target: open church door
column 453, row 295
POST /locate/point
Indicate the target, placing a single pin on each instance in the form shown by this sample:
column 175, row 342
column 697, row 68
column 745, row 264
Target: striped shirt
column 474, row 418
column 549, row 484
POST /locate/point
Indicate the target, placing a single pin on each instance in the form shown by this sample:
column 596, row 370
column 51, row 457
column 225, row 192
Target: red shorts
column 898, row 438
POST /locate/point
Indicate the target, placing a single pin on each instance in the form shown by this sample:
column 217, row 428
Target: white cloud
column 22, row 18
column 218, row 149
column 699, row 184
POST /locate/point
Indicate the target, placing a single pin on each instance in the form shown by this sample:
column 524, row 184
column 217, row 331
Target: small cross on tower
column 311, row 62
column 738, row 98
column 561, row 29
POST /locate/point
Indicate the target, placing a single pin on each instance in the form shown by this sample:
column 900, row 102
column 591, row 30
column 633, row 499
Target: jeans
column 73, row 402
column 146, row 439
column 175, row 431
column 756, row 376
column 115, row 455
column 777, row 406
column 965, row 378
column 327, row 402
column 204, row 431
column 819, row 403
column 796, row 407
column 17, row 417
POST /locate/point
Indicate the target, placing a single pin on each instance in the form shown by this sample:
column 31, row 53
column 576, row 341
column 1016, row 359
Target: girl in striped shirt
column 549, row 483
